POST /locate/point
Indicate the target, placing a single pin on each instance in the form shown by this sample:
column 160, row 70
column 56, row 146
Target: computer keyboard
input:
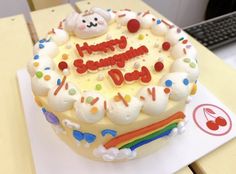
column 215, row 32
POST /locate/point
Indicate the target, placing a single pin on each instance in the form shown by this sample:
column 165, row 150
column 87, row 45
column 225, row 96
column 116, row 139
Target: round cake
column 114, row 84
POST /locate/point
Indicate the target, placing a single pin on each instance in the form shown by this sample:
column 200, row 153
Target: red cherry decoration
column 166, row 46
column 221, row 121
column 158, row 66
column 62, row 65
column 212, row 125
column 133, row 25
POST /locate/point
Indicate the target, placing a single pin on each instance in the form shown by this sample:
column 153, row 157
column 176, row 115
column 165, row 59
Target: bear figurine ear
column 106, row 15
column 70, row 22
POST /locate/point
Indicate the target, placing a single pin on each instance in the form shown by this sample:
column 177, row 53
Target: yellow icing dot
column 94, row 110
column 47, row 77
column 65, row 56
column 37, row 101
column 117, row 98
column 140, row 36
column 36, row 64
column 194, row 89
column 127, row 98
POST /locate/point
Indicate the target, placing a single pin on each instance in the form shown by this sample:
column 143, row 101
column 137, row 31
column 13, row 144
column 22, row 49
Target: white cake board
column 52, row 156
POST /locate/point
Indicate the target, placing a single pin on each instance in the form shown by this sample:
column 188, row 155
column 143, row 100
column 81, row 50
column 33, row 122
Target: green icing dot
column 39, row 74
column 98, row 87
column 72, row 91
column 187, row 60
column 192, row 65
column 89, row 99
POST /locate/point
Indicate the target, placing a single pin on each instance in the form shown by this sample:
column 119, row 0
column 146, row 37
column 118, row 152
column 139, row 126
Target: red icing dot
column 166, row 46
column 62, row 65
column 133, row 25
column 159, row 66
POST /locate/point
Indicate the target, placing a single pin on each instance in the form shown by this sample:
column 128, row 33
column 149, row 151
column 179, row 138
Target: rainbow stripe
column 145, row 135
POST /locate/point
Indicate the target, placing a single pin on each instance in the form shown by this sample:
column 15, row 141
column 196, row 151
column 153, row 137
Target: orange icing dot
column 65, row 56
column 47, row 77
column 167, row 90
column 117, row 98
column 94, row 110
column 36, row 64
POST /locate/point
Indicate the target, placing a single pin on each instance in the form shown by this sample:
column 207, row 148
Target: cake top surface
column 117, row 66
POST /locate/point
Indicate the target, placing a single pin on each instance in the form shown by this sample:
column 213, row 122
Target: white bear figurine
column 90, row 24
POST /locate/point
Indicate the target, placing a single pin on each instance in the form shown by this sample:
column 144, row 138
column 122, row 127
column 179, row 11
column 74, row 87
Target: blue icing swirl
column 90, row 138
column 50, row 117
column 158, row 21
column 109, row 131
column 78, row 135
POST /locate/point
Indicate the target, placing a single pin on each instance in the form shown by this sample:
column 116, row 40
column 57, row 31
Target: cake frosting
column 114, row 84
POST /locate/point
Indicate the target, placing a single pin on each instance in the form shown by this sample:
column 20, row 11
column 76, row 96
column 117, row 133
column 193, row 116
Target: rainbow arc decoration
column 145, row 135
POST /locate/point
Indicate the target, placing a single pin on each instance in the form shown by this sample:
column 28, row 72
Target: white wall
column 14, row 7
column 181, row 12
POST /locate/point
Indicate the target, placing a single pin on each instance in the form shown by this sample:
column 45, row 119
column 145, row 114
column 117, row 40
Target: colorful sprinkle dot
column 133, row 25
column 62, row 65
column 98, row 87
column 89, row 99
column 41, row 46
column 65, row 56
column 186, row 82
column 47, row 68
column 127, row 98
column 39, row 74
column 158, row 66
column 181, row 39
column 192, row 65
column 166, row 46
column 58, row 82
column 194, row 89
column 168, row 83
column 187, row 60
column 140, row 36
column 42, row 41
column 36, row 64
column 158, row 21
column 167, row 90
column 72, row 91
column 117, row 98
column 47, row 77
column 94, row 110
column 36, row 57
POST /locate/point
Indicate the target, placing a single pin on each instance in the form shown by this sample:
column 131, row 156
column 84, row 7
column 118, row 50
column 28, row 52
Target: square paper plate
column 52, row 156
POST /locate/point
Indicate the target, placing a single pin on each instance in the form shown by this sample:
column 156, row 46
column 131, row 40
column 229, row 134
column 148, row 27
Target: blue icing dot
column 109, row 131
column 44, row 110
column 41, row 46
column 168, row 83
column 50, row 117
column 42, row 41
column 158, row 21
column 78, row 135
column 90, row 138
column 58, row 82
column 36, row 57
column 47, row 68
column 186, row 82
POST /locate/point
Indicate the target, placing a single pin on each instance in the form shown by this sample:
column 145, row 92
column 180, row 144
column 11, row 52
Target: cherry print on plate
column 212, row 119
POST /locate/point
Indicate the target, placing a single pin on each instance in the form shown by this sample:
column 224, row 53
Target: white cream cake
column 114, row 84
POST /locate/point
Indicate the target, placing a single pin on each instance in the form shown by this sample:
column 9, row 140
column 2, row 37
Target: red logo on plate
column 212, row 119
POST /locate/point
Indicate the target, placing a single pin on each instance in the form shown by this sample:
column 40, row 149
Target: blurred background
column 195, row 9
